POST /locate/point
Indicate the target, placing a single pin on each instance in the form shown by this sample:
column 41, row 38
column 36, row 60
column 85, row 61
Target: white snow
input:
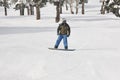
column 24, row 42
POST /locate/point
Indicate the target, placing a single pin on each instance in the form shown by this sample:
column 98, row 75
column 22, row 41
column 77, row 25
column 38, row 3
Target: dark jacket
column 63, row 29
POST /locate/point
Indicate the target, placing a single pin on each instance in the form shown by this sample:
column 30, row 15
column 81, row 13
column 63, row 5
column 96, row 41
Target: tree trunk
column 57, row 13
column 77, row 4
column 60, row 7
column 5, row 11
column 83, row 11
column 102, row 7
column 22, row 9
column 37, row 12
column 71, row 6
column 28, row 11
column 31, row 10
column 5, row 7
column 66, row 5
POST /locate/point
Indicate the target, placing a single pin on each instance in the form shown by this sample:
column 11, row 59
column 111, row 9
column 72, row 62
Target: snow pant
column 60, row 37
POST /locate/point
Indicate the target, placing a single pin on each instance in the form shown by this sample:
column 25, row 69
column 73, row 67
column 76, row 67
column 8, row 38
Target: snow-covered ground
column 24, row 42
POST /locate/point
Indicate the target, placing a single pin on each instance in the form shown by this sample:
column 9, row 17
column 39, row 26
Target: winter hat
column 64, row 20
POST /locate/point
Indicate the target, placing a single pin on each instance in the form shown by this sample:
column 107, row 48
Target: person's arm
column 69, row 31
column 58, row 29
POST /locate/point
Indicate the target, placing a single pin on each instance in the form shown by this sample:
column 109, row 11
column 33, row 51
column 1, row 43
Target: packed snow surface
column 24, row 43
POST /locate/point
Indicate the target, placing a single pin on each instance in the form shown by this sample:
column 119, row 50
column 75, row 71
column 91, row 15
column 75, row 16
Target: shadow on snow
column 17, row 30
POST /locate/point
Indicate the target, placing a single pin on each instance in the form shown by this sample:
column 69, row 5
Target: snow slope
column 24, row 43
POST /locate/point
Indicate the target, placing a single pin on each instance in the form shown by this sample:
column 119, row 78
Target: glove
column 68, row 35
column 58, row 34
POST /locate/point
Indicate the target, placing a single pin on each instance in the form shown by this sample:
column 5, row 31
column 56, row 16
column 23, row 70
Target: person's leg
column 58, row 41
column 65, row 42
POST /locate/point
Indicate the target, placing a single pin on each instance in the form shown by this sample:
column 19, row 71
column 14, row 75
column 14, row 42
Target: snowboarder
column 63, row 31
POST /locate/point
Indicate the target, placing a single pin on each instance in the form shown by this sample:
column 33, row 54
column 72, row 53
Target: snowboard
column 61, row 49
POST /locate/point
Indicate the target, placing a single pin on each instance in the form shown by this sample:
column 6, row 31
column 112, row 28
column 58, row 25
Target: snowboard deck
column 61, row 49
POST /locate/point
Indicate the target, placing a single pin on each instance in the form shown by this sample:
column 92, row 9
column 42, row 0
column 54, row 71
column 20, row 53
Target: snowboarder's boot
column 55, row 47
column 66, row 47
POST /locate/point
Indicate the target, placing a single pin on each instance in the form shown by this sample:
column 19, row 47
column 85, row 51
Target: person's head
column 64, row 21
